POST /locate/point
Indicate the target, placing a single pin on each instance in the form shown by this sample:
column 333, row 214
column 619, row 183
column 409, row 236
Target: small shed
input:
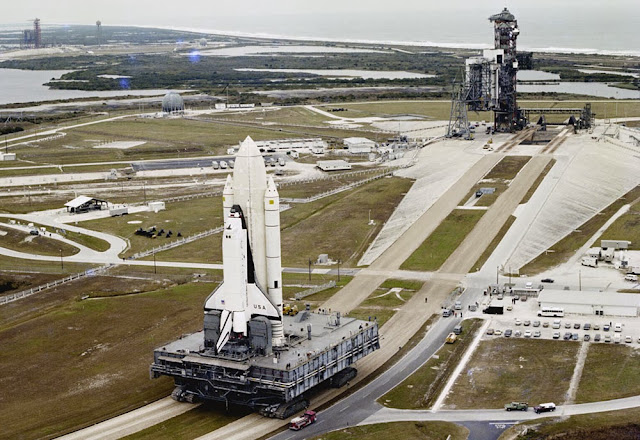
column 84, row 204
column 7, row 156
column 156, row 206
column 333, row 165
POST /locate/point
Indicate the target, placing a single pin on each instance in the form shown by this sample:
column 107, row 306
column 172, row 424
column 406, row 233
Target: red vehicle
column 305, row 419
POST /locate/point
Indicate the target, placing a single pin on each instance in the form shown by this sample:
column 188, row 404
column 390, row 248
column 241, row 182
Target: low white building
column 313, row 145
column 357, row 145
column 333, row 165
column 591, row 303
column 7, row 156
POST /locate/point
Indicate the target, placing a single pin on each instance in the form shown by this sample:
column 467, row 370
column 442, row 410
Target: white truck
column 589, row 262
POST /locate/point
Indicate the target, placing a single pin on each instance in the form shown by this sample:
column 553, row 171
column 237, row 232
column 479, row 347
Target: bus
column 551, row 312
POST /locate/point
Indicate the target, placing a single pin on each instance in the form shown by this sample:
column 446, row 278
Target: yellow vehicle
column 451, row 338
column 290, row 310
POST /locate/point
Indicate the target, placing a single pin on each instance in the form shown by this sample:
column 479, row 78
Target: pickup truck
column 516, row 406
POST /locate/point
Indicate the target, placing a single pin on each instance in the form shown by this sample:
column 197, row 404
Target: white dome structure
column 172, row 103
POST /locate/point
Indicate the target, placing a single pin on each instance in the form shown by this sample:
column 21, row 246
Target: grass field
column 49, row 267
column 627, row 227
column 16, row 281
column 493, row 245
column 422, row 388
column 443, row 240
column 400, row 430
column 187, row 217
column 338, row 225
column 88, row 360
column 380, row 305
column 505, row 370
column 609, row 425
column 566, row 247
column 199, row 421
column 507, row 168
column 34, row 244
column 603, row 379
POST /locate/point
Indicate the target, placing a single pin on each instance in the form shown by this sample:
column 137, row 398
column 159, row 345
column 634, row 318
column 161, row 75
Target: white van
column 556, row 324
column 617, row 327
column 616, row 339
column 458, row 305
column 631, row 277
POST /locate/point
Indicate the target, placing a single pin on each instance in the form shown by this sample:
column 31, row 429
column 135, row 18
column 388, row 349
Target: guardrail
column 28, row 292
column 300, row 295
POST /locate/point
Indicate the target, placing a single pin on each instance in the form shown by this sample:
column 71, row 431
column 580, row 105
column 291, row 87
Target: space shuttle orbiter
column 252, row 281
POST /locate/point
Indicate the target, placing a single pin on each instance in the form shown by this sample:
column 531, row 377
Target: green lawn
column 400, row 430
column 34, row 244
column 443, row 240
column 627, row 227
column 187, row 217
column 494, row 244
column 422, row 388
column 199, row 421
column 503, row 370
column 604, row 379
column 94, row 369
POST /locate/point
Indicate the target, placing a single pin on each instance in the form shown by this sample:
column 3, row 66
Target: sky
column 603, row 24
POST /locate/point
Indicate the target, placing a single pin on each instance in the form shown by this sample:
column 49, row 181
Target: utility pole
column 580, row 280
column 155, row 270
column 339, row 269
column 309, row 269
column 144, row 191
column 61, row 260
column 497, row 273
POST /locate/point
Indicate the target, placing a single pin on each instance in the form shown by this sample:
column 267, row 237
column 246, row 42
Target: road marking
column 344, row 409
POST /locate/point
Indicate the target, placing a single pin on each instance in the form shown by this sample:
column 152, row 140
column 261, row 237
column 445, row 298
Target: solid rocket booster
column 274, row 262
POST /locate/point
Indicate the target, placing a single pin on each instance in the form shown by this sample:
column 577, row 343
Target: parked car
column 617, row 327
column 546, row 280
column 596, row 338
column 586, row 338
column 526, row 323
column 606, row 327
column 536, row 323
column 576, row 326
column 545, row 324
column 587, row 326
column 509, row 308
column 500, row 296
column 567, row 325
column 498, row 332
column 517, row 333
column 607, row 338
column 567, row 336
column 575, row 336
column 537, row 334
column 516, row 406
column 544, row 407
column 518, row 322
column 556, row 324
column 527, row 334
column 507, row 333
column 489, row 331
column 596, row 327
column 556, row 335
column 628, row 339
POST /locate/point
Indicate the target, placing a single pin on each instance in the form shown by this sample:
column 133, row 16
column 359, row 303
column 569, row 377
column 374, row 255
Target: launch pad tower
column 489, row 82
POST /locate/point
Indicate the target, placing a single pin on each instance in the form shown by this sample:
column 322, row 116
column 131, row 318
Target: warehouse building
column 333, row 165
column 357, row 145
column 591, row 303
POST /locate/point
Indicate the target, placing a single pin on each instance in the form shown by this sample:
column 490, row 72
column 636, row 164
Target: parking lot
column 521, row 320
